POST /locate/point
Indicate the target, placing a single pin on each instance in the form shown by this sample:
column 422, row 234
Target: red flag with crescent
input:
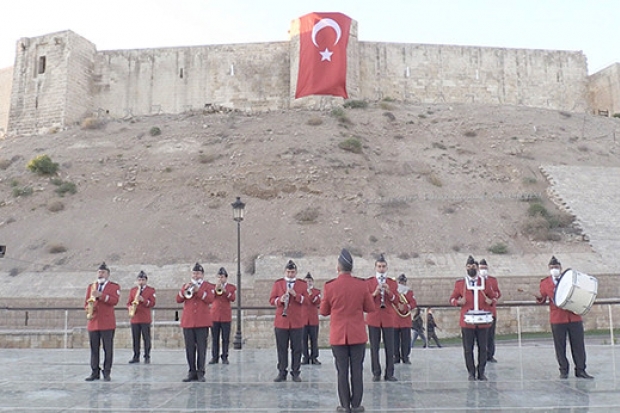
column 323, row 39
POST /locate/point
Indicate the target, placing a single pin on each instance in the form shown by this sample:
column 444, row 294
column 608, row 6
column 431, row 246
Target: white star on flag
column 326, row 55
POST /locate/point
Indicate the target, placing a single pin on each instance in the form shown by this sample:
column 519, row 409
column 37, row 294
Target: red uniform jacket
column 310, row 308
column 294, row 313
column 557, row 315
column 405, row 322
column 461, row 291
column 382, row 317
column 492, row 281
column 346, row 299
column 196, row 311
column 103, row 316
column 143, row 311
column 220, row 309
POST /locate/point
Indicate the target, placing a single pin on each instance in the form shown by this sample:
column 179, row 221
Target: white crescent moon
column 323, row 23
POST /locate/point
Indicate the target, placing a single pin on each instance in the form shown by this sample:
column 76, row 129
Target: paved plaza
column 525, row 379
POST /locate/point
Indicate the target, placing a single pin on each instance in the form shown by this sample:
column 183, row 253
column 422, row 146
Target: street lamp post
column 238, row 208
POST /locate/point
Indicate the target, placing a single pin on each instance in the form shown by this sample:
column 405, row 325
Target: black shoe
column 390, row 378
column 213, row 361
column 358, row 409
column 201, row 378
column 315, row 361
column 583, row 375
column 407, row 361
column 563, row 375
column 225, row 361
column 132, row 361
column 147, row 360
column 396, row 361
column 297, row 379
column 106, row 377
column 482, row 377
column 471, row 377
column 191, row 377
column 342, row 409
column 280, row 378
column 376, row 378
column 92, row 377
column 491, row 360
column 305, row 361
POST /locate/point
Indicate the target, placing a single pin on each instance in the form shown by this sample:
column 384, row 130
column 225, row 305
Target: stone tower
column 52, row 80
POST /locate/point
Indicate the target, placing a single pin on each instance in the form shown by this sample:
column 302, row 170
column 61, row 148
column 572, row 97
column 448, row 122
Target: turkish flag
column 323, row 39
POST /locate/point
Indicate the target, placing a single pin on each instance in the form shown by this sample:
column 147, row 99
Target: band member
column 288, row 295
column 563, row 322
column 402, row 332
column 345, row 300
column 310, row 315
column 464, row 297
column 221, row 315
column 141, row 300
column 101, row 297
column 195, row 321
column 382, row 320
column 492, row 281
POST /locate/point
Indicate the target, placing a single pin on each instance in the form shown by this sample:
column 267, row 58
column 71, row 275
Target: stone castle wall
column 79, row 81
column 604, row 90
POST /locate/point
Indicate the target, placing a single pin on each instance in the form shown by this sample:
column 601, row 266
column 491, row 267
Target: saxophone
column 134, row 304
column 90, row 303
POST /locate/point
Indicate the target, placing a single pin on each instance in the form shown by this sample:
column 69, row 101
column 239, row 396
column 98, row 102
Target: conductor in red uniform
column 345, row 300
column 288, row 295
column 221, row 315
column 310, row 314
column 402, row 333
column 142, row 297
column 382, row 320
column 473, row 333
column 563, row 323
column 195, row 321
column 103, row 296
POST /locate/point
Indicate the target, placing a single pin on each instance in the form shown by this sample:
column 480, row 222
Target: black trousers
column 310, row 334
column 577, row 347
column 491, row 340
column 105, row 337
column 479, row 336
column 196, row 348
column 141, row 330
column 284, row 339
column 374, row 336
column 220, row 328
column 402, row 343
column 350, row 359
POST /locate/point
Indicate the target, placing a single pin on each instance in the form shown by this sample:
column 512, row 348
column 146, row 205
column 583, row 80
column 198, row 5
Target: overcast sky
column 591, row 26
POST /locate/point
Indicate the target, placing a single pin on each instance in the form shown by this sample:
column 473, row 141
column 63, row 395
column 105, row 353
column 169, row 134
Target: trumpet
column 134, row 304
column 191, row 290
column 90, row 303
column 403, row 300
column 285, row 298
column 218, row 289
column 382, row 292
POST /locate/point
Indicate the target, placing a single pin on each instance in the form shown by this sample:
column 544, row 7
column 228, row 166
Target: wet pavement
column 526, row 378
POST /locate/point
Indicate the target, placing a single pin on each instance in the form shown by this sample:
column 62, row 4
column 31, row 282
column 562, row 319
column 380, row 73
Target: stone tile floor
column 525, row 379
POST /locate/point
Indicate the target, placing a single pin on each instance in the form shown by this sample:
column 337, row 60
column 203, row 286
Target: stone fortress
column 59, row 79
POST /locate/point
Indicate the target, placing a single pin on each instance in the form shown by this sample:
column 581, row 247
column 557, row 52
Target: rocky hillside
column 395, row 178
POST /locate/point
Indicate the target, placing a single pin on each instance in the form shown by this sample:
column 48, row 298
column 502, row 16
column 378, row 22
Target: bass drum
column 575, row 291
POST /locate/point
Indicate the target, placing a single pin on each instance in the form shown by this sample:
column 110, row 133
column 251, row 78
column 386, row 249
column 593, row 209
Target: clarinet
column 383, row 292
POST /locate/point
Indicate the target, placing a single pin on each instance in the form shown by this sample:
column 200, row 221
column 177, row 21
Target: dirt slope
column 428, row 179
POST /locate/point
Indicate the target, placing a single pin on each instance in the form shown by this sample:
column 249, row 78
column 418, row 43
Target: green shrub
column 616, row 115
column 471, row 134
column 42, row 165
column 314, row 121
column 351, row 145
column 499, row 248
column 537, row 209
column 155, row 131
column 356, row 104
column 91, row 123
column 25, row 191
column 66, row 187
